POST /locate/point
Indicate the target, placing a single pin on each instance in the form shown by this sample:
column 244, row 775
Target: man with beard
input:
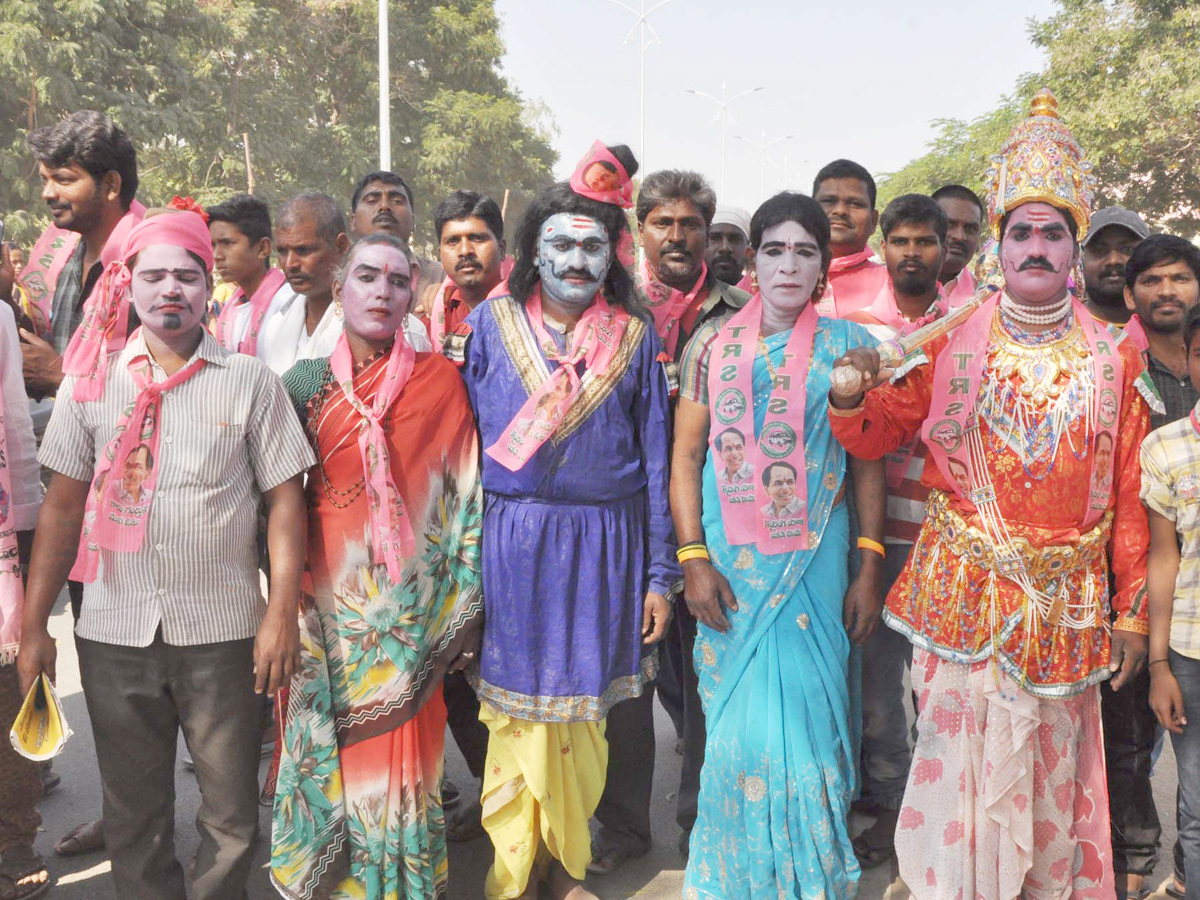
column 674, row 209
column 846, row 191
column 89, row 178
column 964, row 219
column 729, row 256
column 914, row 231
column 1162, row 282
column 1110, row 241
column 383, row 201
column 470, row 234
column 1006, row 593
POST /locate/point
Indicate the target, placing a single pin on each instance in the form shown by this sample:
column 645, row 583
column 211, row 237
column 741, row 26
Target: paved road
column 656, row 876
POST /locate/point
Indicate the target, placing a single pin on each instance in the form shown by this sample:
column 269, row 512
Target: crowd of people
column 519, row 488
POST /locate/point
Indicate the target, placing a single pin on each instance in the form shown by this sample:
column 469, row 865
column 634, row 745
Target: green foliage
column 187, row 78
column 1127, row 77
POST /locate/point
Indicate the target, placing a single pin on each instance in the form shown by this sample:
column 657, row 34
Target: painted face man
column 376, row 292
column 789, row 267
column 573, row 257
column 1037, row 251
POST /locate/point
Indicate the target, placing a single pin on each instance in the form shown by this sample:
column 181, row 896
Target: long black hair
column 559, row 198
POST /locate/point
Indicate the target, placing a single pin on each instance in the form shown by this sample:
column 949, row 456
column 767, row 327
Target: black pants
column 462, row 715
column 1130, row 731
column 624, row 810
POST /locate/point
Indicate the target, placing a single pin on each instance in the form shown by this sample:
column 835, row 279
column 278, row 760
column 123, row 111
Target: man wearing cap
column 1107, row 246
column 1006, row 595
column 173, row 631
column 729, row 256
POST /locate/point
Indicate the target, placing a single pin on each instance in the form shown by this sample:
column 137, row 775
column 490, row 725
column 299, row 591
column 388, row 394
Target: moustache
column 385, row 215
column 1112, row 272
column 1037, row 262
column 468, row 262
column 675, row 248
column 959, row 247
column 577, row 273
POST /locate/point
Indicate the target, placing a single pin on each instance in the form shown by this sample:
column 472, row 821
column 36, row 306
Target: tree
column 192, row 80
column 1127, row 77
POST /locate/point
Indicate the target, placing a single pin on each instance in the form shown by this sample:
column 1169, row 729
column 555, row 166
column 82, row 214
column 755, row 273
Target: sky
column 863, row 79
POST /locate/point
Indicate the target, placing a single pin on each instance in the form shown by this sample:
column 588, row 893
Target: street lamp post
column 385, row 111
column 761, row 147
column 647, row 36
column 724, row 117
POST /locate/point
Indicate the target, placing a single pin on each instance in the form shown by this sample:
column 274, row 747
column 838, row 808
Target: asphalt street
column 656, row 876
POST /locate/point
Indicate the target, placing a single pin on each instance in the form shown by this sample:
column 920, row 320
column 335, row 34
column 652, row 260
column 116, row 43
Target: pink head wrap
column 106, row 312
column 594, row 178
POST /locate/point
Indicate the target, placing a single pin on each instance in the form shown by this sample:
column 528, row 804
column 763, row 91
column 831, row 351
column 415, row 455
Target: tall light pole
column 385, row 111
column 761, row 147
column 724, row 118
column 646, row 36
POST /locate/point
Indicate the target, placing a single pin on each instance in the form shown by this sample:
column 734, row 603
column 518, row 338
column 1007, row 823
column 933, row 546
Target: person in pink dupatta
column 173, row 632
column 846, row 191
column 914, row 230
column 22, row 871
column 241, row 239
column 964, row 222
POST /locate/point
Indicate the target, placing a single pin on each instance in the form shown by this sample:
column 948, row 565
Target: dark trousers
column 1130, row 731
column 624, row 810
column 1187, row 758
column 138, row 698
column 462, row 715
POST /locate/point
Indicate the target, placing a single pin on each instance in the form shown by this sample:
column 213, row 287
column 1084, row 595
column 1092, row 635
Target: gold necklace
column 1039, row 366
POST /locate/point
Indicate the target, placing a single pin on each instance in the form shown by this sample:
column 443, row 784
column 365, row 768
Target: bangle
column 868, row 544
column 1155, row 662
column 691, row 551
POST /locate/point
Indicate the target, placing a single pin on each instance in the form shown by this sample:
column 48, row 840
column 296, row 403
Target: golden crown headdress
column 1040, row 161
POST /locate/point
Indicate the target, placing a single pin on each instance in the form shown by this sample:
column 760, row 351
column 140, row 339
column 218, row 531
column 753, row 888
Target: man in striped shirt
column 173, row 631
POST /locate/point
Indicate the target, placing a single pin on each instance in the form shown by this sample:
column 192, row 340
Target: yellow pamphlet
column 41, row 730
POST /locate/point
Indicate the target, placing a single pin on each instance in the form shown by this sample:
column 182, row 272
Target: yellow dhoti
column 541, row 784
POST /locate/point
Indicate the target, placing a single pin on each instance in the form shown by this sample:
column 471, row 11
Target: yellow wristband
column 692, row 553
column 868, row 544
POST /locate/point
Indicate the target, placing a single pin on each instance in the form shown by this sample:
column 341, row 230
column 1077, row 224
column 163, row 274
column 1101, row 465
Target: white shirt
column 18, row 428
column 283, row 338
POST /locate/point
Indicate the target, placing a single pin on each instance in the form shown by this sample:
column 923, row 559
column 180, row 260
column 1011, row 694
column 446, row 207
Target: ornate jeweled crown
column 1040, row 161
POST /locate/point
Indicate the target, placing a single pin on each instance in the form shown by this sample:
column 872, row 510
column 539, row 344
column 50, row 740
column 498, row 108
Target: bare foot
column 565, row 887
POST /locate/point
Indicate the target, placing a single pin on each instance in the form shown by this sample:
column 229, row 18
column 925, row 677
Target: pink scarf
column 391, row 526
column 1136, row 332
column 668, row 305
column 884, row 311
column 747, row 511
column 437, row 315
column 827, row 305
column 50, row 254
column 113, row 518
column 959, row 374
column 597, row 161
column 259, row 303
column 596, row 337
column 12, row 591
column 960, row 289
column 106, row 312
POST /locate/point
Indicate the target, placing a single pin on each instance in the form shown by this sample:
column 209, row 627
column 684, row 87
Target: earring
column 337, row 308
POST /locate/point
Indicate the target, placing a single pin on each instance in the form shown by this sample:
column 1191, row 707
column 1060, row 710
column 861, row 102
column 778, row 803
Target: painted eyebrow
column 177, row 272
column 770, row 244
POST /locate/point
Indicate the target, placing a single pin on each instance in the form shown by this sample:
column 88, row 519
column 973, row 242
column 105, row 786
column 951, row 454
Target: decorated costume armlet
column 454, row 345
column 1135, row 625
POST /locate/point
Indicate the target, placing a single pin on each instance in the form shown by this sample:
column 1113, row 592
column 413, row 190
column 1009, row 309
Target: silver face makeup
column 573, row 257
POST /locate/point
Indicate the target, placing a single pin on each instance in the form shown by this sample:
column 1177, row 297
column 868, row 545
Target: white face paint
column 789, row 267
column 573, row 256
column 377, row 292
column 169, row 290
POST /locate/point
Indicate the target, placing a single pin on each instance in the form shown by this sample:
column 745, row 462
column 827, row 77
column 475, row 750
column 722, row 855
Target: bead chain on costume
column 1008, row 561
column 355, row 490
column 1028, row 315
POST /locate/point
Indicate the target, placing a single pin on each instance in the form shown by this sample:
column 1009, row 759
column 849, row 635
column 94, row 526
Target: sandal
column 23, row 874
column 85, row 838
column 877, row 844
column 608, row 858
column 464, row 823
column 1168, row 887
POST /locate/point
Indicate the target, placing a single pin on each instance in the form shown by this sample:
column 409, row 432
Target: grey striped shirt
column 227, row 434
